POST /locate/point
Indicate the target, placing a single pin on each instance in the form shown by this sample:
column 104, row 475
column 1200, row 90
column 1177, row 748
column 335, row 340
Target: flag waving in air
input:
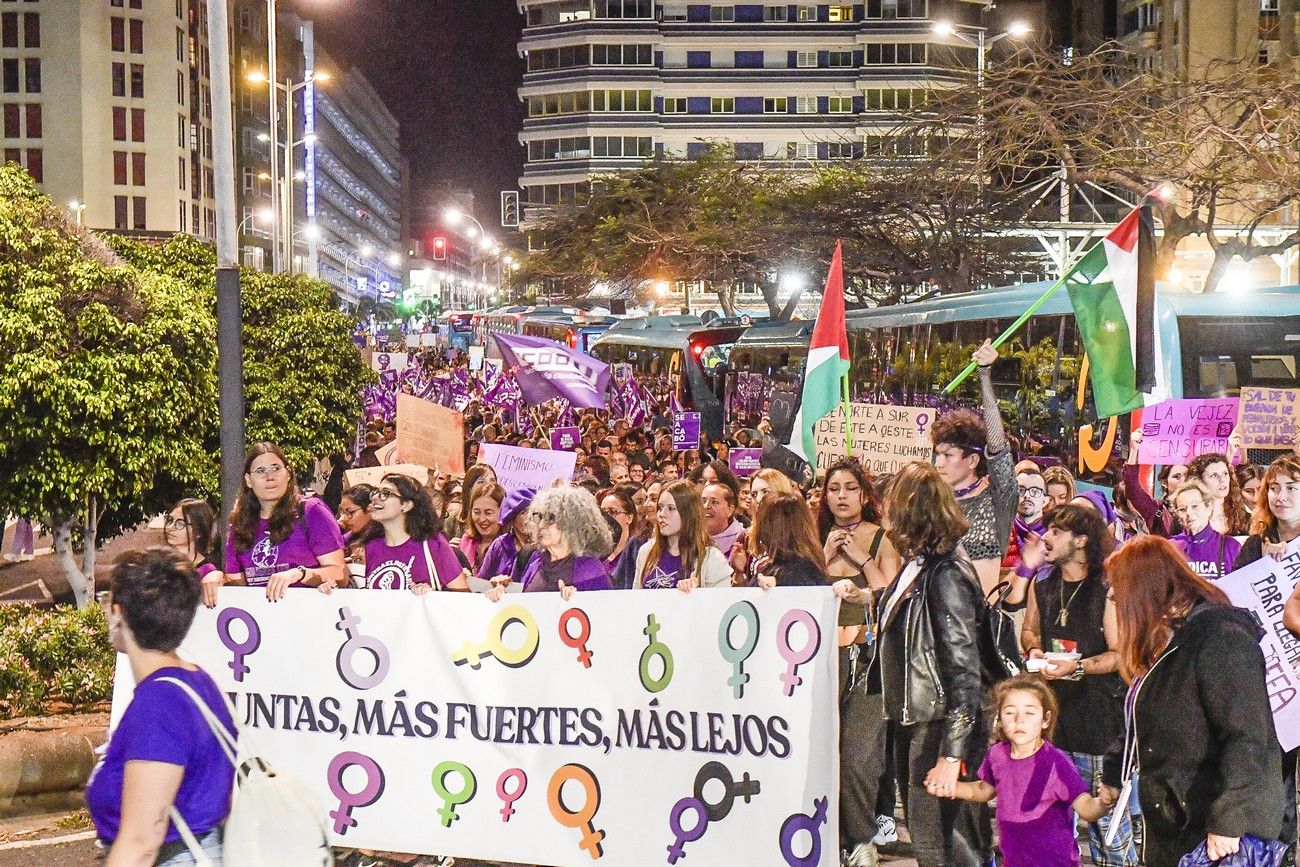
column 827, row 365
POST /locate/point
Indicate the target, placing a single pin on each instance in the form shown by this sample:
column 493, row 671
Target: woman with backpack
column 162, row 755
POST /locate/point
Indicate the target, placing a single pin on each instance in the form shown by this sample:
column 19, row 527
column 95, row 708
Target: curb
column 42, row 770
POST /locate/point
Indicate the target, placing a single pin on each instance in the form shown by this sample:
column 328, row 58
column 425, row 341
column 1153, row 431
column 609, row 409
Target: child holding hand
column 1036, row 784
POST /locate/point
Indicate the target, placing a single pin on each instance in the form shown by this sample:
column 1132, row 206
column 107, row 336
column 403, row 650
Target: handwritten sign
column 884, row 437
column 386, row 361
column 527, row 468
column 374, row 475
column 565, row 439
column 686, row 431
column 1175, row 431
column 430, row 434
column 745, row 462
column 1269, row 417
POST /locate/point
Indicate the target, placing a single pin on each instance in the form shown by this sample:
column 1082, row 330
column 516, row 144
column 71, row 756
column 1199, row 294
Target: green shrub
column 53, row 655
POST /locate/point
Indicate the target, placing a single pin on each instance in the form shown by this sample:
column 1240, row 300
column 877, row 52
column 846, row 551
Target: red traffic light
column 439, row 248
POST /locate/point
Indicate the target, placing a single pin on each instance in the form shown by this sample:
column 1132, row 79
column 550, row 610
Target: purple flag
column 545, row 370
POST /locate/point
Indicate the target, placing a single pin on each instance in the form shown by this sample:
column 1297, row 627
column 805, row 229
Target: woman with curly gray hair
column 572, row 542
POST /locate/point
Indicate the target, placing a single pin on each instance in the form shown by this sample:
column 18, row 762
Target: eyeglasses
column 351, row 512
column 614, row 513
column 383, row 495
column 1033, row 491
column 268, row 470
column 540, row 518
column 176, row 523
column 1183, row 510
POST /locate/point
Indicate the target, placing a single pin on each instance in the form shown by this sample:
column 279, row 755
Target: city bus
column 459, row 325
column 574, row 328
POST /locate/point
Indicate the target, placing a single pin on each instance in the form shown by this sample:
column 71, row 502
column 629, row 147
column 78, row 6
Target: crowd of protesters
column 1136, row 668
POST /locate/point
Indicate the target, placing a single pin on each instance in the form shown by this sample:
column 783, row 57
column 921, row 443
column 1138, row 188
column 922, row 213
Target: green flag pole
column 848, row 436
column 1011, row 329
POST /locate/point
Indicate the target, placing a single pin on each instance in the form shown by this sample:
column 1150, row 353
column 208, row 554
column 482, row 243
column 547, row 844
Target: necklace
column 849, row 528
column 1063, row 618
column 961, row 492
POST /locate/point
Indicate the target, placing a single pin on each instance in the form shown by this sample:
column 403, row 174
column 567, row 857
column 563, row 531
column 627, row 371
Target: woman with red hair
column 1200, row 727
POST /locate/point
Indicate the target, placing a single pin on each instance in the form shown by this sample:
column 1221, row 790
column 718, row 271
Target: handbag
column 1254, row 852
column 999, row 648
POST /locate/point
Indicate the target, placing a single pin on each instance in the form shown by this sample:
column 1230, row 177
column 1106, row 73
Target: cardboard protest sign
column 373, row 475
column 1175, row 431
column 686, row 431
column 884, row 437
column 543, row 731
column 527, row 468
column 1269, row 417
column 1263, row 588
column 430, row 434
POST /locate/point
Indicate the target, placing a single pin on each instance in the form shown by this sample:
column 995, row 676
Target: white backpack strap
column 229, row 745
column 433, row 570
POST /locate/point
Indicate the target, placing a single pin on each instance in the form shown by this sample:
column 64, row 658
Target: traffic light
column 439, row 248
column 510, row 208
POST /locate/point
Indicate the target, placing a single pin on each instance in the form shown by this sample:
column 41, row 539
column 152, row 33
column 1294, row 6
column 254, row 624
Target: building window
column 805, row 105
column 182, row 131
column 622, row 100
column 569, row 102
column 801, row 150
column 807, row 13
column 13, row 120
column 180, row 87
column 32, row 67
column 137, row 36
column 839, row 150
column 840, row 105
column 119, row 123
column 621, row 55
column 137, row 80
column 117, row 33
column 722, row 105
column 33, row 112
column 776, row 105
column 839, row 59
column 623, row 9
column 622, row 146
column 722, row 13
column 32, row 29
column 119, row 168
column 675, row 105
column 137, row 124
column 13, row 155
column 11, row 75
column 180, row 45
column 9, row 30
column 137, row 169
column 181, row 172
column 888, row 53
column 840, row 13
column 36, row 164
column 119, row 79
column 138, row 212
column 889, row 99
column 896, row 8
column 181, row 213
column 116, row 4
column 776, row 13
column 119, row 212
column 805, row 59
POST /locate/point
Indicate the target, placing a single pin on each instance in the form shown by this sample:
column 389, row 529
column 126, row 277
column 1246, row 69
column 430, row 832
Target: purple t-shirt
column 665, row 574
column 1203, row 552
column 313, row 536
column 397, row 567
column 1034, row 808
column 162, row 725
column 499, row 559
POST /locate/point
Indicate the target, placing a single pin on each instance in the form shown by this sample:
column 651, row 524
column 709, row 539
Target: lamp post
column 77, row 207
column 488, row 248
column 980, row 39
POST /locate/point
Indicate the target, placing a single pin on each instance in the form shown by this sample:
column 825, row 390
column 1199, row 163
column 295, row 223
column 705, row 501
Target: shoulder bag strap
column 875, row 542
column 1223, row 544
column 228, row 746
column 433, row 570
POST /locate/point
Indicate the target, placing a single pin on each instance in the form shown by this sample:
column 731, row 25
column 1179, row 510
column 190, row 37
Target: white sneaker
column 863, row 855
column 886, row 831
column 12, row 558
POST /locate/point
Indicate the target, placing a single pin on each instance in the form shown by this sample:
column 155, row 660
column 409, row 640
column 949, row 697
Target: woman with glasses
column 278, row 538
column 190, row 528
column 405, row 548
column 1209, row 552
column 572, row 540
column 354, row 520
column 618, row 504
column 680, row 553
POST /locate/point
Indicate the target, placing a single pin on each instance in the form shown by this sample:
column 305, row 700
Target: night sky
column 448, row 70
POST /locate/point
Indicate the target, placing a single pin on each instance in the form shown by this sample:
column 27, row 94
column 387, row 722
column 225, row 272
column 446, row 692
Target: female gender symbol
column 655, row 648
column 581, row 818
column 747, row 613
column 509, row 798
column 358, row 643
column 451, row 800
column 240, row 649
column 494, row 643
column 793, row 657
column 684, row 835
column 812, row 824
column 370, row 793
column 577, row 642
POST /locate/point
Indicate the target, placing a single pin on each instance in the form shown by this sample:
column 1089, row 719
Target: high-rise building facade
column 1190, row 35
column 610, row 83
column 114, row 112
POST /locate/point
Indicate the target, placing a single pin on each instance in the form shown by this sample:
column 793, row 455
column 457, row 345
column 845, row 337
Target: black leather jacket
column 929, row 652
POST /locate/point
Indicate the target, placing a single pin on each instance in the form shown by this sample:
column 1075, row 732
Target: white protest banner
column 1263, row 588
column 527, row 468
column 615, row 728
column 884, row 437
column 430, row 434
column 476, row 358
column 1175, row 431
column 1269, row 417
column 374, row 475
column 386, row 361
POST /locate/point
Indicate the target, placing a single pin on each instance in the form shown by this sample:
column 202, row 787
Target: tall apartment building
column 1191, row 34
column 612, row 82
column 114, row 114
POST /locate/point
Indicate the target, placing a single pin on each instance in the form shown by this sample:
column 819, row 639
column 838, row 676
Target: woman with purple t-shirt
column 572, row 540
column 279, row 539
column 405, row 548
column 1209, row 552
column 162, row 753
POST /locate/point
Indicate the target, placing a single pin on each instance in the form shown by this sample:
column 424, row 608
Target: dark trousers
column 945, row 832
column 864, row 762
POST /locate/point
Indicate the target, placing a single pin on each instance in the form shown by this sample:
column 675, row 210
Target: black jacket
column 1208, row 758
column 929, row 652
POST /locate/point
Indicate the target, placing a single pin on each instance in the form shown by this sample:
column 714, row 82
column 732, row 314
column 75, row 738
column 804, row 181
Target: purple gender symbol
column 349, row 800
column 812, row 824
column 794, row 657
column 240, row 649
column 684, row 836
column 509, row 798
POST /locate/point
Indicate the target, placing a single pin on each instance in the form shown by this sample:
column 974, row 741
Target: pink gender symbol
column 798, row 657
column 349, row 800
column 509, row 798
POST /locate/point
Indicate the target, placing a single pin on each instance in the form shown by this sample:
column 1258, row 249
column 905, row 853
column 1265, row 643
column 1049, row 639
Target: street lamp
column 78, row 208
column 976, row 35
column 261, row 215
column 453, row 216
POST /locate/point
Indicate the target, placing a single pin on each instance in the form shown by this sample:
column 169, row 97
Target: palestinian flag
column 827, row 364
column 1112, row 290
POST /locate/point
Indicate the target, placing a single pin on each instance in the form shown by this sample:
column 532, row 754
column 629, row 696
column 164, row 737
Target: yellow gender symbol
column 494, row 643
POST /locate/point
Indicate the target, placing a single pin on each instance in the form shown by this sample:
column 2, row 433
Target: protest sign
column 430, row 434
column 385, row 361
column 374, row 475
column 884, row 437
column 1269, row 417
column 686, row 431
column 527, row 468
column 1175, row 431
column 565, row 439
column 613, row 727
column 476, row 358
column 1263, row 588
column 745, row 462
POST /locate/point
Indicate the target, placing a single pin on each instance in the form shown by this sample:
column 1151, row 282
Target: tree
column 1216, row 150
column 107, row 378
